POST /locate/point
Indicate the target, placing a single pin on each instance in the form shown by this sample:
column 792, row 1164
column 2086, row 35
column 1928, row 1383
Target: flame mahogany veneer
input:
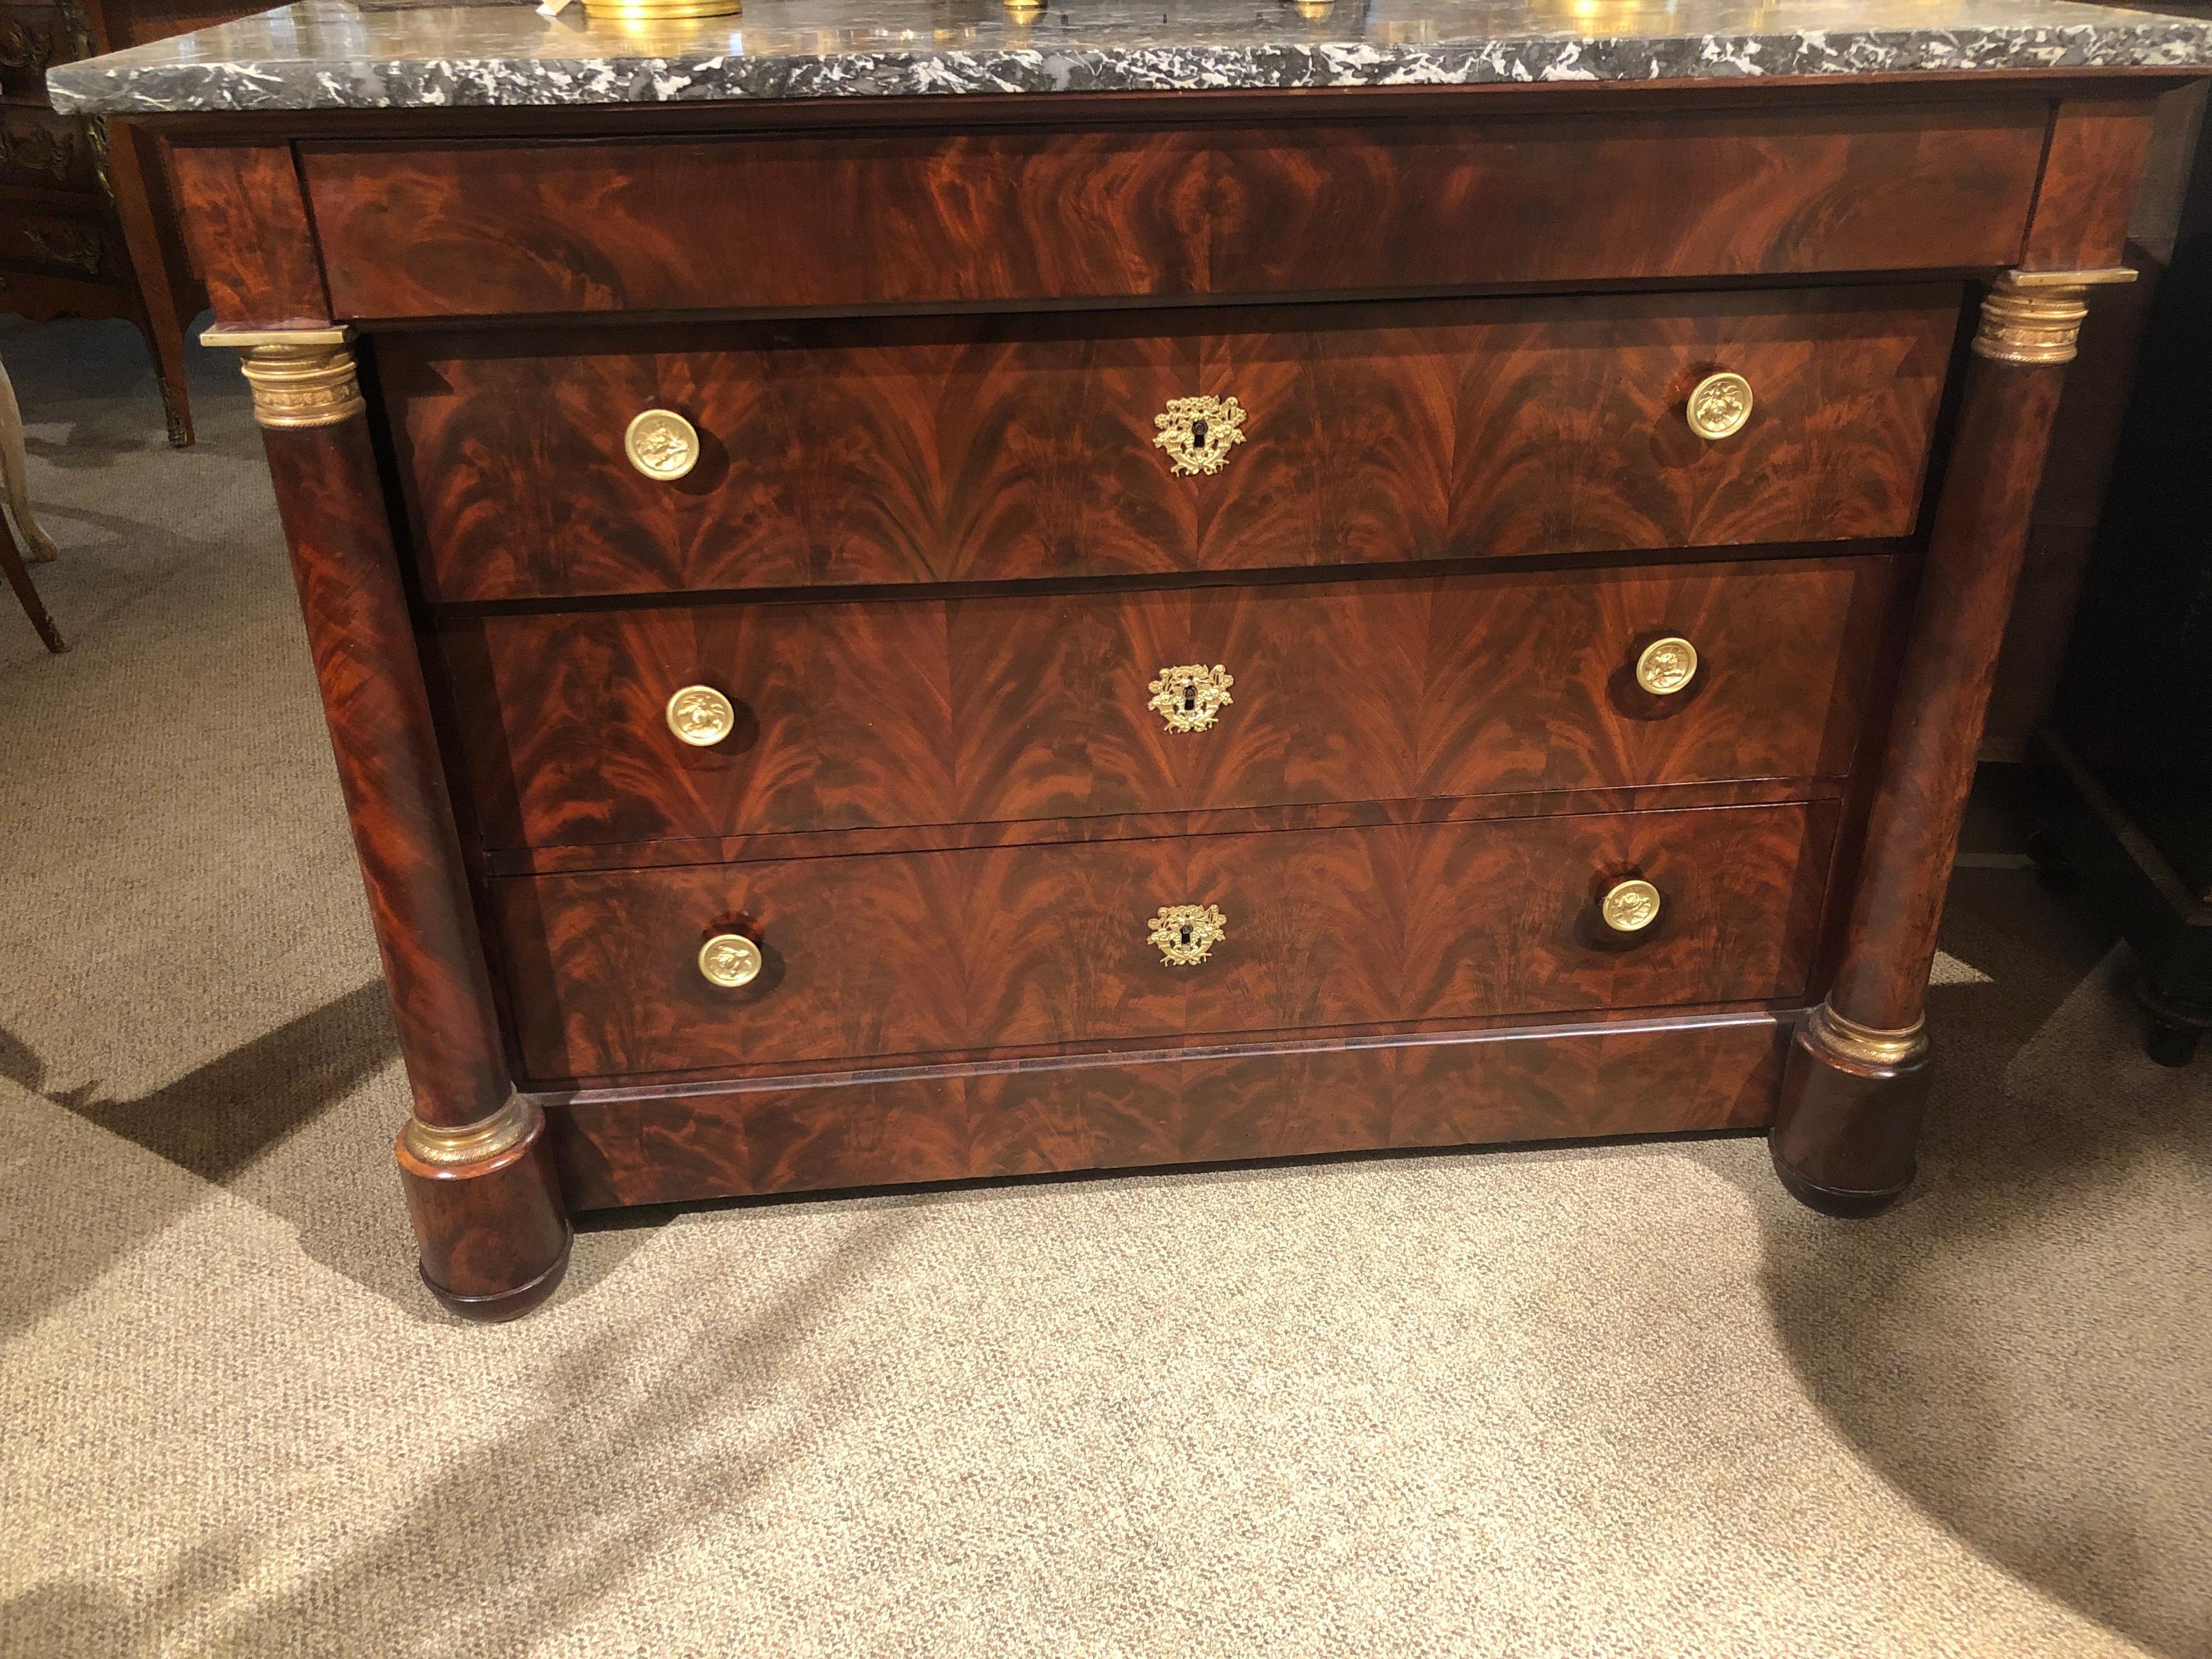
column 995, row 449
column 1019, row 706
column 933, row 554
column 1030, row 947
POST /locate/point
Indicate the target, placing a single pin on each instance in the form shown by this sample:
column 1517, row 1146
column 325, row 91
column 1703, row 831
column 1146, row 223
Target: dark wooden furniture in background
column 2128, row 797
column 774, row 627
column 88, row 222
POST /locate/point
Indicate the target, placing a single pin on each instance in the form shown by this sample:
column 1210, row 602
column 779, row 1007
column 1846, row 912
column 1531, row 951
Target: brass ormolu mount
column 300, row 377
column 2034, row 316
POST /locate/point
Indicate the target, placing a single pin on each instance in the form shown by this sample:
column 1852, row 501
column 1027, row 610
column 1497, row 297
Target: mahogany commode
column 904, row 637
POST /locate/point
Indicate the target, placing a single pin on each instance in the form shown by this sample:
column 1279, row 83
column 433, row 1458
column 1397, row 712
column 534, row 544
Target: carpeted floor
column 1624, row 1399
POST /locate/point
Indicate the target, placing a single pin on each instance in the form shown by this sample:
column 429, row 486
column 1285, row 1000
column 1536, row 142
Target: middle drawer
column 891, row 712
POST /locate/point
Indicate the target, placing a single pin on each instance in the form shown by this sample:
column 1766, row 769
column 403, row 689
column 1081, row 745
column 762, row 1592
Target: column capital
column 2034, row 316
column 300, row 377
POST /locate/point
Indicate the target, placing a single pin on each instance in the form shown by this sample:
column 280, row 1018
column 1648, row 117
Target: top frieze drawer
column 1007, row 216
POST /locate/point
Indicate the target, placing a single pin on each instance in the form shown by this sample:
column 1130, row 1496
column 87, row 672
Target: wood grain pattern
column 1846, row 1128
column 1038, row 946
column 1973, row 563
column 1137, row 826
column 990, row 449
column 245, row 220
column 382, row 734
column 891, row 712
column 2089, row 186
column 1283, row 1100
column 932, row 218
column 494, row 1233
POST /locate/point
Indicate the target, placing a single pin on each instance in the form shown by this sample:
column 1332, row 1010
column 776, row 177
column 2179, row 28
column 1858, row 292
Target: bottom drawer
column 1038, row 946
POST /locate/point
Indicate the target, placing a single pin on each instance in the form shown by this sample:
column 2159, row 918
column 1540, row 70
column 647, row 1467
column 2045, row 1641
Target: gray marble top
column 330, row 54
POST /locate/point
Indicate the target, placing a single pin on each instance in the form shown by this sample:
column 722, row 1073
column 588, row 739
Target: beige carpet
column 1593, row 1400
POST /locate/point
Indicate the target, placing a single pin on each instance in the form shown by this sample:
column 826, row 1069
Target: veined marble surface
column 330, row 54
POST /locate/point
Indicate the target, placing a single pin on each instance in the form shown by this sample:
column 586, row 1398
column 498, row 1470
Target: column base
column 500, row 1304
column 1828, row 1200
column 487, row 1210
column 1852, row 1100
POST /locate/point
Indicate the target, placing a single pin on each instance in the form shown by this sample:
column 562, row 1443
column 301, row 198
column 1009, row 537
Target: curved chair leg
column 19, row 578
column 16, row 485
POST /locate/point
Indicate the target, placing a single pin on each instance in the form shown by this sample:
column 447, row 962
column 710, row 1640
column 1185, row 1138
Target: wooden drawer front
column 1027, row 946
column 423, row 228
column 50, row 151
column 987, row 449
column 59, row 243
column 1028, row 706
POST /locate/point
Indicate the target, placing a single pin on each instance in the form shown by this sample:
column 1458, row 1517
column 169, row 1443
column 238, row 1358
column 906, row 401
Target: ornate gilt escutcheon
column 1667, row 665
column 701, row 715
column 1187, row 933
column 1190, row 697
column 730, row 960
column 1718, row 406
column 1198, row 433
column 1629, row 906
column 662, row 444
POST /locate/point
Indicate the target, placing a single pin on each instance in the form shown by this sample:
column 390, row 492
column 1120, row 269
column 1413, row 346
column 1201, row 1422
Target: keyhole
column 1185, row 933
column 1189, row 697
column 1198, row 432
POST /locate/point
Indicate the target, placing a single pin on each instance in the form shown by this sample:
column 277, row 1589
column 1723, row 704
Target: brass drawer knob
column 662, row 444
column 730, row 960
column 1667, row 665
column 1187, row 933
column 1719, row 405
column 1190, row 697
column 701, row 715
column 1629, row 906
column 1198, row 433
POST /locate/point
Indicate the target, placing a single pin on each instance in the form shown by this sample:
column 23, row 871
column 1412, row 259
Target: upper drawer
column 843, row 220
column 987, row 449
column 1028, row 706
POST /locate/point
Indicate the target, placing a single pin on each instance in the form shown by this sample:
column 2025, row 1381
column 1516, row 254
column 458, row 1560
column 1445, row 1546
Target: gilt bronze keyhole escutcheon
column 1187, row 933
column 1190, row 697
column 1198, row 433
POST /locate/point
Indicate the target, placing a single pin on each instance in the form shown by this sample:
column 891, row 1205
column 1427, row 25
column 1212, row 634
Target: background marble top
column 330, row 54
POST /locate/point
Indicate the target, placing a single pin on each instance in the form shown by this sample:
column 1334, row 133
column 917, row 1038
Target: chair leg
column 14, row 478
column 19, row 578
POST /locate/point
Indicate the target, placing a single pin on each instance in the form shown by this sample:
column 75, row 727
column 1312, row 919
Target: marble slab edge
column 118, row 87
